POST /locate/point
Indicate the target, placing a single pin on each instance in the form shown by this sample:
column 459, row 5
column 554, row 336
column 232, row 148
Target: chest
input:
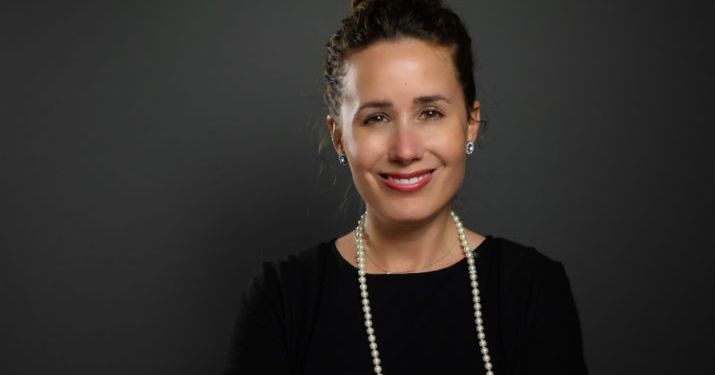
column 422, row 325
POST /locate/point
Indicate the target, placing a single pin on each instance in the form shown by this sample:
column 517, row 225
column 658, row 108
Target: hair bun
column 355, row 3
column 437, row 3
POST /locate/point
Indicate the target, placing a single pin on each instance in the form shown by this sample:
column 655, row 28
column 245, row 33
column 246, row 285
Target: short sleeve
column 555, row 343
column 258, row 344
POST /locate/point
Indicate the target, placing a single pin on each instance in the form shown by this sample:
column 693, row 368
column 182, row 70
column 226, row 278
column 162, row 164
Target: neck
column 413, row 245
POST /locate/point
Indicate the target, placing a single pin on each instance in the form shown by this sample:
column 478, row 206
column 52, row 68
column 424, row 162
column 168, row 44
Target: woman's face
column 403, row 127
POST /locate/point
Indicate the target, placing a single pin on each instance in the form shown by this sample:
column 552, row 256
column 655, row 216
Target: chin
column 407, row 208
column 408, row 212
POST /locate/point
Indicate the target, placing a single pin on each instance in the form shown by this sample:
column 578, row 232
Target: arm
column 555, row 343
column 258, row 344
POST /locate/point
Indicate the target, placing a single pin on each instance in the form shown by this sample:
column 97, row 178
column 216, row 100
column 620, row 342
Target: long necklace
column 410, row 270
column 360, row 246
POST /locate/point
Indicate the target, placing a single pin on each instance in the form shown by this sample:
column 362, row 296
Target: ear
column 473, row 122
column 335, row 132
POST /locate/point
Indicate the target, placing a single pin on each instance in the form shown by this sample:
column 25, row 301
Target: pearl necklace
column 360, row 250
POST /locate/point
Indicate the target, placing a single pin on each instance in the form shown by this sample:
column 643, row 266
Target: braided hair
column 375, row 20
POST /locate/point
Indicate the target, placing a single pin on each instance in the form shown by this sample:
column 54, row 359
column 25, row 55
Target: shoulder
column 275, row 312
column 517, row 254
column 295, row 269
column 524, row 264
column 537, row 293
column 306, row 260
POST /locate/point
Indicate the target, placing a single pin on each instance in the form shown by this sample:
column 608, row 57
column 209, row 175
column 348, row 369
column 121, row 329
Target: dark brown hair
column 375, row 20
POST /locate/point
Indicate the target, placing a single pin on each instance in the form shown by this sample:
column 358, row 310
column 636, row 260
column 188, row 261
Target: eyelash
column 370, row 119
column 436, row 114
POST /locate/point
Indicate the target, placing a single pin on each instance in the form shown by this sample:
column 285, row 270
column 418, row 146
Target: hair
column 376, row 20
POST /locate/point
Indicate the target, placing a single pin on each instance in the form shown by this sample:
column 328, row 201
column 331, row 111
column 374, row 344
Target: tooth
column 407, row 181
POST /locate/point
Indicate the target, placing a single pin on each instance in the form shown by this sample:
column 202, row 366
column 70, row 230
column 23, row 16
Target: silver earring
column 342, row 159
column 470, row 147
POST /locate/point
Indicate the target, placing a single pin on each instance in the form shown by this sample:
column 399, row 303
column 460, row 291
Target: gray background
column 152, row 154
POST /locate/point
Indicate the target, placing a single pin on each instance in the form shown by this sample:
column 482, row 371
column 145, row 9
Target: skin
column 403, row 110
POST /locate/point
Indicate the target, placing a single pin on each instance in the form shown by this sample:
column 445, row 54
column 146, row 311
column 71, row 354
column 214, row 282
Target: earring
column 470, row 147
column 342, row 159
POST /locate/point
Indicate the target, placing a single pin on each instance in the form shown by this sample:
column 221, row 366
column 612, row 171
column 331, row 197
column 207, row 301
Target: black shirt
column 303, row 315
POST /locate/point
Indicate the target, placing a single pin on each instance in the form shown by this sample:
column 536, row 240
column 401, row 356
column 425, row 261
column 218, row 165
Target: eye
column 379, row 117
column 431, row 113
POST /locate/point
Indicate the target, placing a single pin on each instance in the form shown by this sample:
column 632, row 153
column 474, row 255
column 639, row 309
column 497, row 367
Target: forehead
column 407, row 66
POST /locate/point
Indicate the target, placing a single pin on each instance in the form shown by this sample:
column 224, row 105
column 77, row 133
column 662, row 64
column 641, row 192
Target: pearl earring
column 342, row 159
column 470, row 147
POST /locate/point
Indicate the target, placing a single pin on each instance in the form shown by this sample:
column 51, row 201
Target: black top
column 303, row 315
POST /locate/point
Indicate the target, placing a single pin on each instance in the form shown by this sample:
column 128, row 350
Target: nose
column 406, row 145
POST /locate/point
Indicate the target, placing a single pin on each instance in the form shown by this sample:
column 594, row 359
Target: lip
column 427, row 173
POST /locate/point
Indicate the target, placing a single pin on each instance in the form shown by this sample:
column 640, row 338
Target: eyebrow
column 418, row 100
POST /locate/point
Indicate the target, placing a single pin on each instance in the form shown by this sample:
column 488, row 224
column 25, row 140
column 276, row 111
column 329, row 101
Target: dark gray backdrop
column 153, row 153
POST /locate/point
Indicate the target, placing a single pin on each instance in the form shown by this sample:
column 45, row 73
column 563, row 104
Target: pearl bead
column 362, row 280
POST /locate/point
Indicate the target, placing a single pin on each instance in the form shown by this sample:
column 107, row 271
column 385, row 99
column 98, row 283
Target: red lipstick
column 407, row 182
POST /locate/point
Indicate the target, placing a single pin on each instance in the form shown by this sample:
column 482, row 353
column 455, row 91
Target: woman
column 400, row 293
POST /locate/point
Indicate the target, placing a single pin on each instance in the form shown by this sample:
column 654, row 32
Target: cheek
column 451, row 145
column 366, row 152
column 366, row 149
column 348, row 139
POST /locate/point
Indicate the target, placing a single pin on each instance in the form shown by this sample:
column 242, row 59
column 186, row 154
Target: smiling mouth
column 407, row 181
